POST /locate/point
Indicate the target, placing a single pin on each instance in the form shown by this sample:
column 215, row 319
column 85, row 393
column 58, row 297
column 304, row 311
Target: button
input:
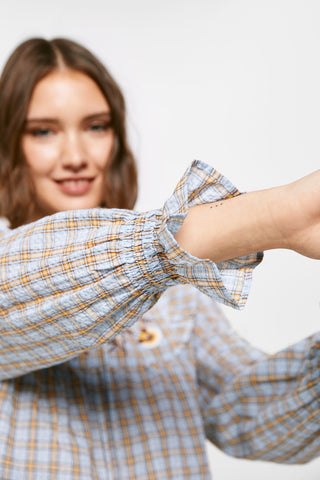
column 150, row 336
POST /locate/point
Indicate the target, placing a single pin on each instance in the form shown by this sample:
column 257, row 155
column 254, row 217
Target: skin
column 67, row 142
column 282, row 217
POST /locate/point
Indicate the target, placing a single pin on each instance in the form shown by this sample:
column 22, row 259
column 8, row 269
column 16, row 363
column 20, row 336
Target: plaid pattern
column 74, row 405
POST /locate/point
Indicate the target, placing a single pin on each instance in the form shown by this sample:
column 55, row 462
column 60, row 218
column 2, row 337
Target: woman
column 73, row 403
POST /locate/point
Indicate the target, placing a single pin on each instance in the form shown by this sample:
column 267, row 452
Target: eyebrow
column 93, row 116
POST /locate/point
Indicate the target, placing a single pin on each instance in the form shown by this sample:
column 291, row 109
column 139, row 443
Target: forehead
column 66, row 91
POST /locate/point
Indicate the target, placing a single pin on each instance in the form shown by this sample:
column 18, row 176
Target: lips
column 75, row 186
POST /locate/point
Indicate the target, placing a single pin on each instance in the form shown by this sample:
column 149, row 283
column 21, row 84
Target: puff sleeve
column 76, row 279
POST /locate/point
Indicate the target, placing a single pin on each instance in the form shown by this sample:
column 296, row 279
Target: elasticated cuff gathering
column 227, row 282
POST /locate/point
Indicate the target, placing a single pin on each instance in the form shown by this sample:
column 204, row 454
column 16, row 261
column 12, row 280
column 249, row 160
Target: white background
column 235, row 83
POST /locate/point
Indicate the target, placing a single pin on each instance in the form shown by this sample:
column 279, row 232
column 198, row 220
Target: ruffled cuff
column 227, row 282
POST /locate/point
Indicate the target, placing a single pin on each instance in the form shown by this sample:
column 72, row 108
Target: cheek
column 100, row 152
column 39, row 157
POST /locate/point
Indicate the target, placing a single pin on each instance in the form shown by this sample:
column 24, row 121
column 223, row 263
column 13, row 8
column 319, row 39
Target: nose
column 73, row 155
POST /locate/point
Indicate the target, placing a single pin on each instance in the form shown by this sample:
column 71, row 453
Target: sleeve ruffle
column 227, row 282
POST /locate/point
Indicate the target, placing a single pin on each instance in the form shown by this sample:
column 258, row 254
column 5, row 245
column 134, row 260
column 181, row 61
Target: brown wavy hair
column 28, row 64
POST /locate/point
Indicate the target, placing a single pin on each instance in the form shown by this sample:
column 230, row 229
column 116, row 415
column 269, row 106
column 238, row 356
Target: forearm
column 282, row 217
column 233, row 227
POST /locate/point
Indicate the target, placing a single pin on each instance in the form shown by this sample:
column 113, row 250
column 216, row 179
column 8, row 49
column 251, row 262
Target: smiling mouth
column 75, row 186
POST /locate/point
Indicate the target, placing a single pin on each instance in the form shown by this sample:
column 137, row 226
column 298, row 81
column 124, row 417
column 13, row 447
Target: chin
column 78, row 204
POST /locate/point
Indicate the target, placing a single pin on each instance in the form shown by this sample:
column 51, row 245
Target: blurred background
column 234, row 83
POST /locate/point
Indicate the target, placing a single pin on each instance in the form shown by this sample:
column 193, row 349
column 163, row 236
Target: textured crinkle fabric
column 72, row 281
column 269, row 410
column 76, row 406
column 131, row 411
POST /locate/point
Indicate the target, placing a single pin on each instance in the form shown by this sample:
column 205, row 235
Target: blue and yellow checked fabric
column 74, row 405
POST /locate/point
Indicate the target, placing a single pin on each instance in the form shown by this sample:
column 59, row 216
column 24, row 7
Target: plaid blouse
column 76, row 405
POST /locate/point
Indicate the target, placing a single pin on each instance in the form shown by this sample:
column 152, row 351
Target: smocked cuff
column 226, row 282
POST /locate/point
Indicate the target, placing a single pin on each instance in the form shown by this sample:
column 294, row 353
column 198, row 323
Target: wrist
column 234, row 227
column 277, row 221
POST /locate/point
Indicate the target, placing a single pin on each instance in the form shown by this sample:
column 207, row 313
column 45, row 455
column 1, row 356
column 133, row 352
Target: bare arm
column 280, row 217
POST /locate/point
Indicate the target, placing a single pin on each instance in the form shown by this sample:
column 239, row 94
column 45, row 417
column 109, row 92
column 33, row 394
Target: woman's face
column 67, row 142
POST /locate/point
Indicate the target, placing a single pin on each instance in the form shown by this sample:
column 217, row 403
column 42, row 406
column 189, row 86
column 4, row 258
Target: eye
column 99, row 126
column 40, row 132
